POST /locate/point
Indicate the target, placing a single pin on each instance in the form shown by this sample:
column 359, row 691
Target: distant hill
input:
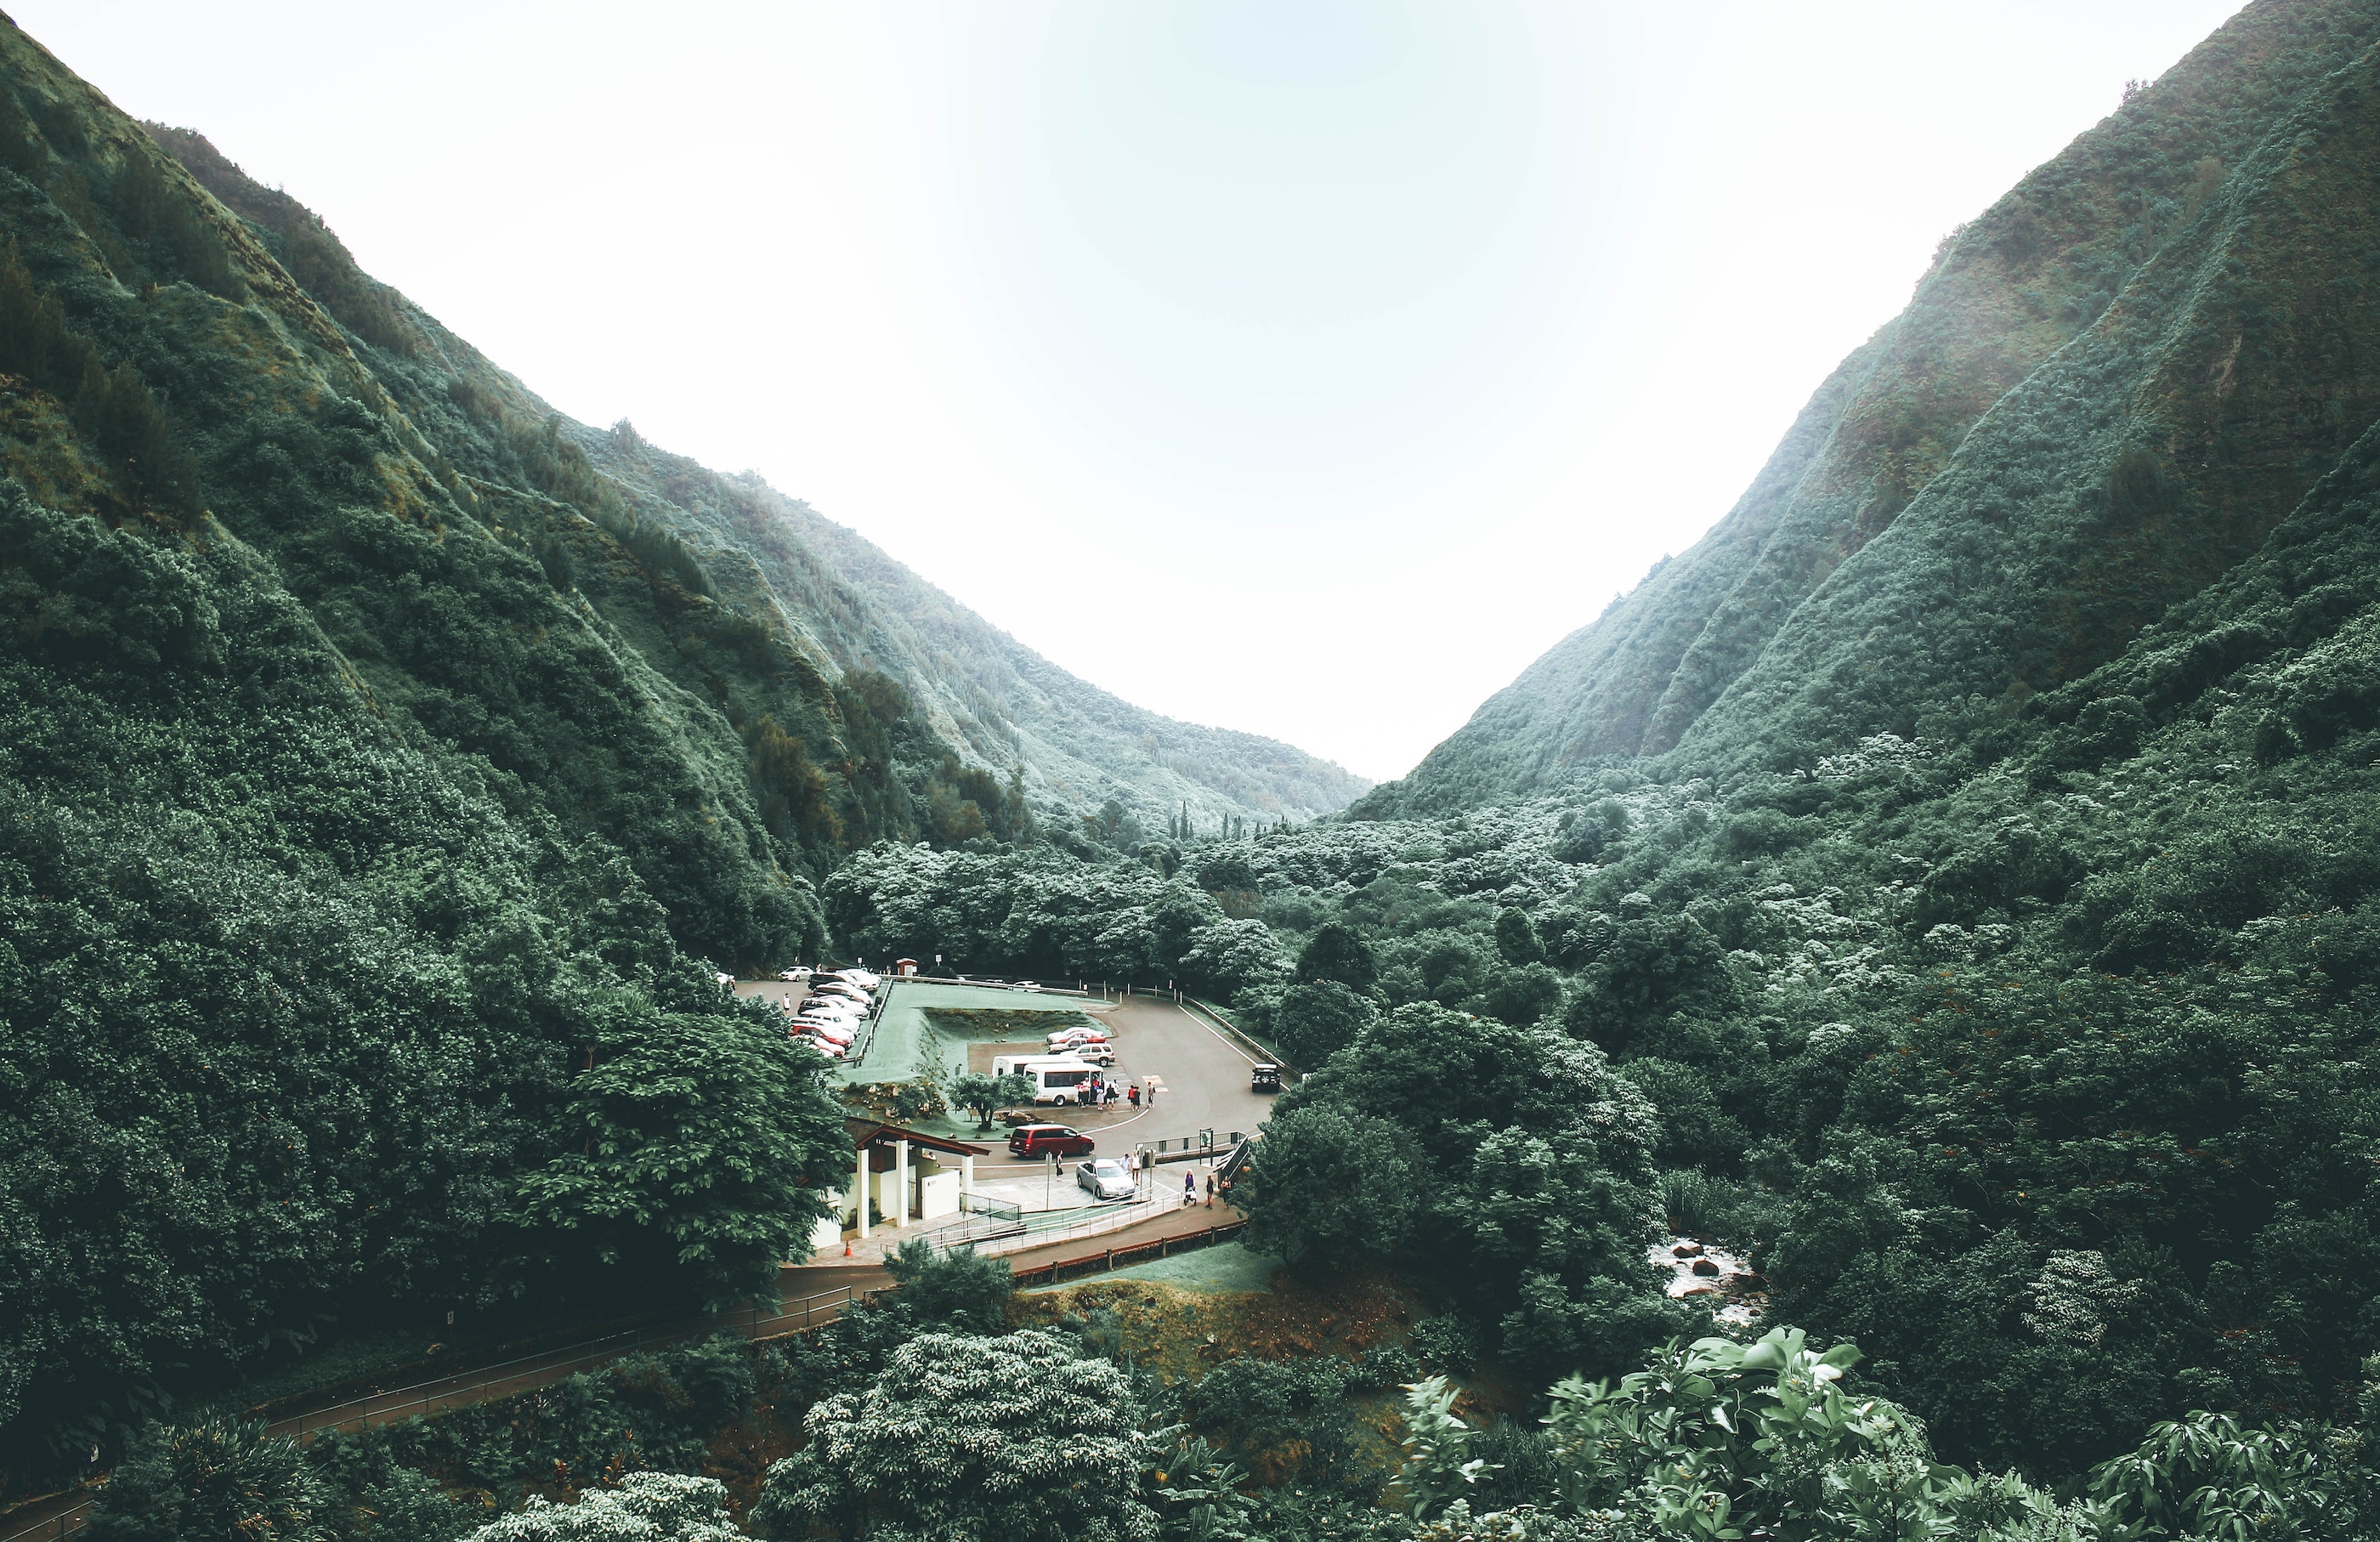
column 976, row 695
column 2109, row 389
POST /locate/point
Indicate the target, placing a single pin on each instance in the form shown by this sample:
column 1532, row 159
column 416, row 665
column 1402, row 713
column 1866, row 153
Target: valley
column 1876, row 1036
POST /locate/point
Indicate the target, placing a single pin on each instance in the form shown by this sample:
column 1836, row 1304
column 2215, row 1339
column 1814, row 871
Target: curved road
column 1205, row 1077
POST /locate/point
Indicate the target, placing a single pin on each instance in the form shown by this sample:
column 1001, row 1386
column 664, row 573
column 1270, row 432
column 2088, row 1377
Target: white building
column 908, row 1175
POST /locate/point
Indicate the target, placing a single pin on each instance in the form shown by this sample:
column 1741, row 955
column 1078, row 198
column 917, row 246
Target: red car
column 1036, row 1142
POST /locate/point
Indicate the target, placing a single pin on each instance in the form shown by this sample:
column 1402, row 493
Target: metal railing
column 975, row 1230
column 1054, row 1272
column 1103, row 1221
column 1220, row 1020
column 1039, row 989
column 504, row 1379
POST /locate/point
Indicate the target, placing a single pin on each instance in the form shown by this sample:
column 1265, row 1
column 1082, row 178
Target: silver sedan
column 1104, row 1178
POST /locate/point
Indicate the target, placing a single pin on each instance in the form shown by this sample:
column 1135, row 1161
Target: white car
column 837, row 988
column 727, row 979
column 838, row 1019
column 862, row 979
column 842, row 1033
column 1028, row 984
column 796, row 974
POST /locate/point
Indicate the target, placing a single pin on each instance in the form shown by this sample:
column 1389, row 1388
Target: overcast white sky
column 1306, row 367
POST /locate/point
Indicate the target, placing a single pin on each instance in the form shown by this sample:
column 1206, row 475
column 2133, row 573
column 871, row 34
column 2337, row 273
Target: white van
column 1056, row 1078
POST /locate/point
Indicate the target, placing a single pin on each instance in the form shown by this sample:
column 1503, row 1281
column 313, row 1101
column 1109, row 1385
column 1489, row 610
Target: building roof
column 867, row 1131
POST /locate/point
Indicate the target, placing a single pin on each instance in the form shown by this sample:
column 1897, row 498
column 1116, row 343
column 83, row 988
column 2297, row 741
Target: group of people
column 1107, row 1092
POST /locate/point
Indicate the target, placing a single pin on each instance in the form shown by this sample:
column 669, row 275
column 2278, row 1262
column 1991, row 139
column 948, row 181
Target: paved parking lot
column 1203, row 1076
column 1205, row 1086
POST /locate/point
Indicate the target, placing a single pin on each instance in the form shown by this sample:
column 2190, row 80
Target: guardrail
column 1101, row 1222
column 501, row 1379
column 1114, row 1258
column 1214, row 1015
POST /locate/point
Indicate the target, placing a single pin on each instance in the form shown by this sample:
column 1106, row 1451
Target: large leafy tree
column 1338, row 952
column 970, row 1439
column 646, row 1507
column 1327, row 1186
column 959, row 1290
column 1317, row 1018
column 1527, row 1152
column 709, row 1137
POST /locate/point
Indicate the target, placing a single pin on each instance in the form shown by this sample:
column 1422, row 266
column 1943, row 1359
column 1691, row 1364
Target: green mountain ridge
column 2108, row 389
column 847, row 607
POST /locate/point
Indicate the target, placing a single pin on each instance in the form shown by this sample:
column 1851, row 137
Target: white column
column 966, row 1173
column 901, row 1216
column 859, row 1187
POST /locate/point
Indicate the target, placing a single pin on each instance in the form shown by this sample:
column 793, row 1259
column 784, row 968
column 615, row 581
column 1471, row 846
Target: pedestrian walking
column 1211, row 1191
column 1225, row 1189
column 1189, row 1189
column 1134, row 1094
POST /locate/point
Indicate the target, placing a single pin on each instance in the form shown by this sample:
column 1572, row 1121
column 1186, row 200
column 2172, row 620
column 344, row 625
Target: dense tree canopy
column 971, row 1439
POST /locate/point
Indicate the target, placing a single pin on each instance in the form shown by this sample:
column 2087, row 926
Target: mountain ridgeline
column 2112, row 387
column 946, row 705
column 1950, row 893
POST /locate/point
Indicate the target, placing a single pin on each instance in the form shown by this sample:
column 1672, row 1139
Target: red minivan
column 1037, row 1142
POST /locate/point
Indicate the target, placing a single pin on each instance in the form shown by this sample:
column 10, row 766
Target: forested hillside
column 387, row 763
column 944, row 708
column 1970, row 850
column 2110, row 387
column 1951, row 890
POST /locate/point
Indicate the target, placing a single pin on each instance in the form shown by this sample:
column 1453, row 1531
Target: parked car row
column 830, row 1017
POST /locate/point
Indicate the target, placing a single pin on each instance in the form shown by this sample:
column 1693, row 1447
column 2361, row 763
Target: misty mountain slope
column 1078, row 745
column 2112, row 214
column 2151, row 455
column 966, row 690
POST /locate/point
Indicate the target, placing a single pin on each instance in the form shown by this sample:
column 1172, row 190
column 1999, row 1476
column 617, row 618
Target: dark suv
column 1039, row 1141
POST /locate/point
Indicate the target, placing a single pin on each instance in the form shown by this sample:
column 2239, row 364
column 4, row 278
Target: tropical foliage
column 971, row 1439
